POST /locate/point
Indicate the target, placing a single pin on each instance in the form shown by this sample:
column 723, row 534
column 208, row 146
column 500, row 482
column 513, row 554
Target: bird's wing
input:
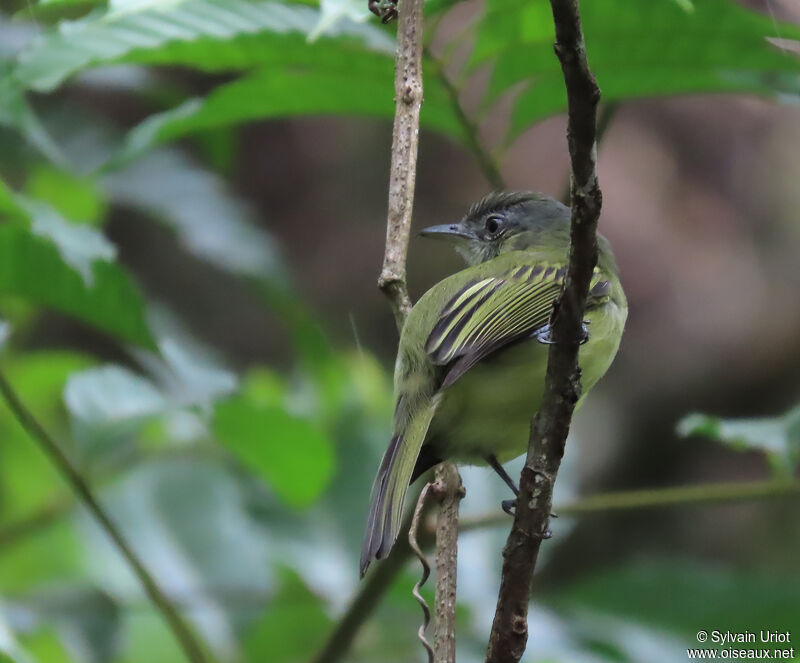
column 490, row 313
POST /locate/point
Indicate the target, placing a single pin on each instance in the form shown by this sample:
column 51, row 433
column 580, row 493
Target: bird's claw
column 544, row 336
column 584, row 333
column 385, row 9
column 509, row 506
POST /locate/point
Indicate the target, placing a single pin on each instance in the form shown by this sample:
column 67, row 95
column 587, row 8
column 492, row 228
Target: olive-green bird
column 471, row 364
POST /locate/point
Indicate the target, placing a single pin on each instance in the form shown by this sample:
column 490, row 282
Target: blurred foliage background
column 192, row 209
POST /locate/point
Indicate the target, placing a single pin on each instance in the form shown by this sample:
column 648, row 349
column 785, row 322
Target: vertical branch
column 405, row 140
column 550, row 427
column 448, row 483
column 183, row 634
column 392, row 281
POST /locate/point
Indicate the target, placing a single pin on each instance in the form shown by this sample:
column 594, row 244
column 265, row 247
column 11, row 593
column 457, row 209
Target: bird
column 472, row 356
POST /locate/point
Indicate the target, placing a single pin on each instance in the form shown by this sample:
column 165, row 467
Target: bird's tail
column 390, row 487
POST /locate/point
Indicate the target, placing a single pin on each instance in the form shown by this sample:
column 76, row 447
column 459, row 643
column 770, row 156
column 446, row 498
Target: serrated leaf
column 362, row 87
column 200, row 33
column 293, row 455
column 31, row 267
column 778, row 437
column 719, row 46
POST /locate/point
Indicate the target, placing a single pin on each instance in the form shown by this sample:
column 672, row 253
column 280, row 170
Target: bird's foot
column 509, row 506
column 385, row 9
column 584, row 332
column 544, row 335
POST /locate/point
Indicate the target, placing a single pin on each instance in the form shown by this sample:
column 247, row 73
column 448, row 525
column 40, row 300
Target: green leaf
column 207, row 34
column 362, row 88
column 720, row 46
column 31, row 267
column 349, row 71
column 209, row 219
column 73, row 197
column 87, row 621
column 358, row 87
column 16, row 113
column 80, row 246
column 188, row 372
column 109, row 402
column 778, row 437
column 291, row 454
column 294, row 626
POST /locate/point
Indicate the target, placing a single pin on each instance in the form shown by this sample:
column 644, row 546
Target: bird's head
column 503, row 222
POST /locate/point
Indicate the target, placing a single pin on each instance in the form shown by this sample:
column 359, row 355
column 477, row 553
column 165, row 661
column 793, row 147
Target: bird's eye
column 493, row 224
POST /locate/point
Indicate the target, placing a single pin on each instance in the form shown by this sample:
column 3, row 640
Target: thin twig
column 183, row 634
column 486, row 162
column 450, row 492
column 392, row 281
column 550, row 426
column 405, row 141
column 629, row 500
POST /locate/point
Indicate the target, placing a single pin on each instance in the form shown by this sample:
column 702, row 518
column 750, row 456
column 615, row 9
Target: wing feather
column 490, row 313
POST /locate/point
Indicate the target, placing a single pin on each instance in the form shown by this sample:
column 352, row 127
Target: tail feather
column 389, row 490
column 376, row 518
